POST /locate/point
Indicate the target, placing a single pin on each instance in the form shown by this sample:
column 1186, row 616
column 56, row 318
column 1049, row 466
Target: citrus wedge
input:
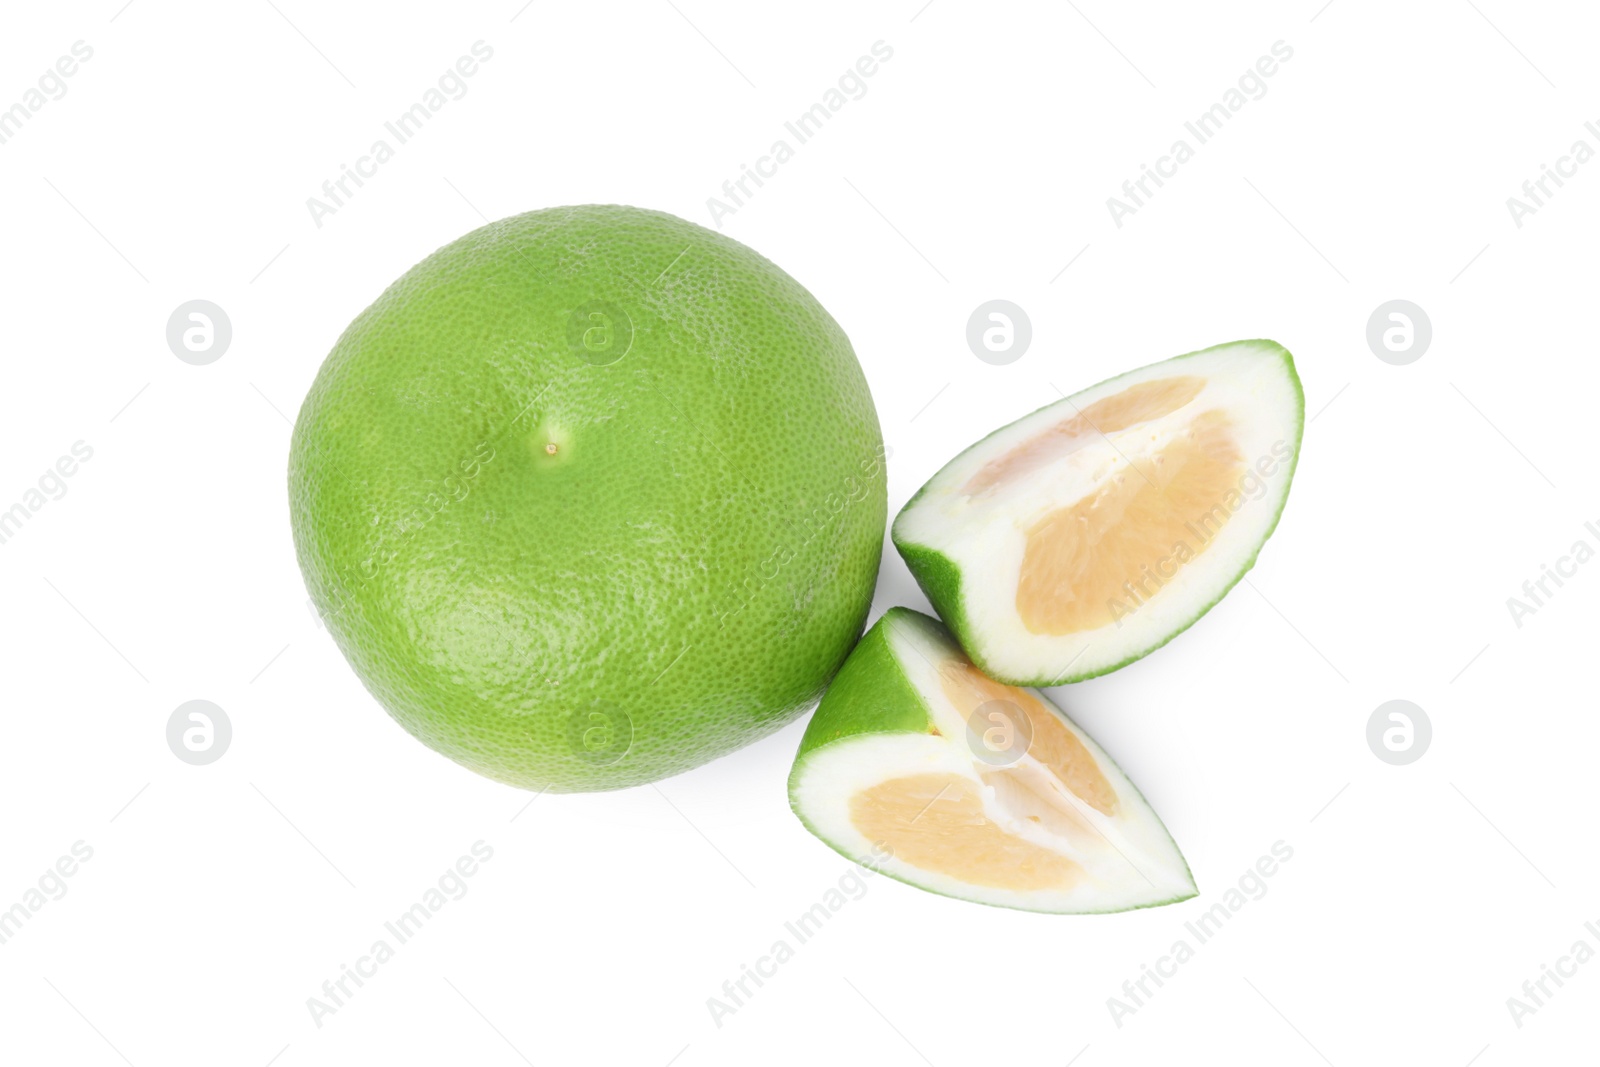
column 918, row 765
column 1093, row 531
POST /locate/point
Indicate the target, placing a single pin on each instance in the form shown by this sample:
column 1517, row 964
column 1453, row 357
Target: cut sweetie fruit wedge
column 1093, row 531
column 918, row 765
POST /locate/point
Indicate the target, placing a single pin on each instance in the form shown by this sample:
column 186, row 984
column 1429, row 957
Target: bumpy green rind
column 941, row 581
column 578, row 560
column 872, row 695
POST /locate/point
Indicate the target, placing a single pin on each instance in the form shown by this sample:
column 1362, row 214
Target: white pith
column 985, row 536
column 1128, row 859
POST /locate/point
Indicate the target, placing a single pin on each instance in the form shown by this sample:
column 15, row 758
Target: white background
column 977, row 166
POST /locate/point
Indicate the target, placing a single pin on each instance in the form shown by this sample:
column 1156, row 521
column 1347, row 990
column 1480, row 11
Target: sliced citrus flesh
column 920, row 766
column 936, row 822
column 1052, row 744
column 1138, row 403
column 1082, row 537
column 1084, row 558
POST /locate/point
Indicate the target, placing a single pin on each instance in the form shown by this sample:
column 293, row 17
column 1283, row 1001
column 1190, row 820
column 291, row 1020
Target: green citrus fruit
column 591, row 496
column 919, row 766
column 1095, row 530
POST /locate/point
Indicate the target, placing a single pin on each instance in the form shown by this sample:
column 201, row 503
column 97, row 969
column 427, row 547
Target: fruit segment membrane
column 1083, row 555
column 938, row 821
column 1143, row 402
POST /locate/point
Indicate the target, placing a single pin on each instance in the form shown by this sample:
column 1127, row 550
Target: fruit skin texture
column 870, row 681
column 941, row 580
column 591, row 496
column 872, row 695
